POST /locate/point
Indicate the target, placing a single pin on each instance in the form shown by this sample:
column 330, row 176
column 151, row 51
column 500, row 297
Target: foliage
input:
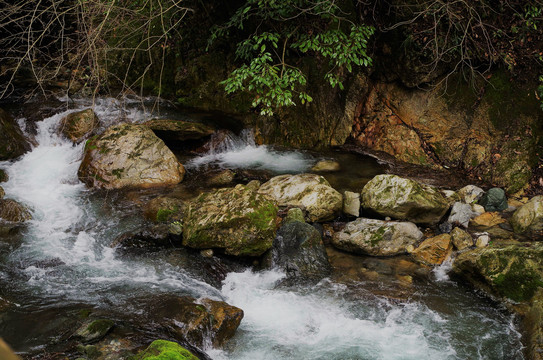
column 279, row 33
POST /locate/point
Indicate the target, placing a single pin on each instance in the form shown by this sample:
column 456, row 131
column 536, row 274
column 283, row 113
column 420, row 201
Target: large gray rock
column 78, row 125
column 378, row 238
column 461, row 214
column 129, row 155
column 308, row 191
column 299, row 251
column 529, row 217
column 12, row 141
column 404, row 199
column 238, row 220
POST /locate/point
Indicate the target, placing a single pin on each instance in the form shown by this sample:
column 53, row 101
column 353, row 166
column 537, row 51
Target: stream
column 61, row 263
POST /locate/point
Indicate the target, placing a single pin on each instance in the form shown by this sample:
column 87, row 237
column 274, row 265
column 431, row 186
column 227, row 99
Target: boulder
column 238, row 220
column 461, row 214
column 12, row 141
column 461, row 239
column 221, row 178
column 434, row 250
column 514, row 272
column 78, row 125
column 529, row 217
column 178, row 130
column 377, row 238
column 129, row 155
column 494, row 200
column 196, row 321
column 294, row 214
column 470, row 194
column 164, row 209
column 309, row 191
column 162, row 349
column 298, row 250
column 11, row 210
column 326, row 166
column 94, row 330
column 351, row 203
column 404, row 199
column 3, row 176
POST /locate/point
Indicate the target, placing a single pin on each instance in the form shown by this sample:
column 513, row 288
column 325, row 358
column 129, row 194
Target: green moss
column 164, row 214
column 377, row 236
column 117, row 172
column 263, row 217
column 164, row 350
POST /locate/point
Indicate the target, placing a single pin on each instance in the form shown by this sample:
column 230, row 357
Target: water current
column 63, row 258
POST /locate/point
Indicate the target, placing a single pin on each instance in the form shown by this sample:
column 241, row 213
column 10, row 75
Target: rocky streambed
column 129, row 238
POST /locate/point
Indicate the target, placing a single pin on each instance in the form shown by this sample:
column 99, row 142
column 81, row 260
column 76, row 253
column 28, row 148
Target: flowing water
column 62, row 261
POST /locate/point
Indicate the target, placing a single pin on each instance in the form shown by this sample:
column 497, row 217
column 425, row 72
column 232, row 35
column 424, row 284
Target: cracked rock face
column 129, row 155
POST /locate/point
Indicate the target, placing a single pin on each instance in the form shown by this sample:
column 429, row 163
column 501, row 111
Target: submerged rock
column 326, row 166
column 238, row 220
column 299, row 251
column 12, row 141
column 221, row 178
column 79, row 125
column 11, row 210
column 94, row 330
column 166, row 350
column 434, row 250
column 164, row 209
column 129, row 155
column 378, row 238
column 529, row 217
column 514, row 272
column 494, row 200
column 404, row 199
column 309, row 191
column 178, row 130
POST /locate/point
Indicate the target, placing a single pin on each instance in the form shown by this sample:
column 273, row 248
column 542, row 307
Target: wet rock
column 164, row 209
column 482, row 240
column 197, row 322
column 461, row 239
column 208, row 253
column 461, row 214
column 309, row 191
column 378, row 238
column 533, row 325
column 156, row 236
column 3, row 176
column 445, row 227
column 11, row 210
column 238, row 220
column 222, row 178
column 435, row 250
column 294, row 214
column 494, row 200
column 79, row 125
column 514, row 272
column 529, row 217
column 178, row 131
column 2, row 193
column 470, row 194
column 326, row 166
column 129, row 155
column 486, row 220
column 404, row 199
column 12, row 141
column 167, row 350
column 299, row 251
column 94, row 330
column 351, row 203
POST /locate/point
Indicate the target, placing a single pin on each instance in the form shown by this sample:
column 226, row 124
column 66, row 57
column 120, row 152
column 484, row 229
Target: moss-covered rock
column 12, row 141
column 11, row 210
column 461, row 239
column 293, row 215
column 309, row 191
column 378, row 238
column 529, row 217
column 238, row 220
column 78, row 125
column 164, row 350
column 514, row 272
column 164, row 209
column 434, row 250
column 404, row 199
column 129, row 155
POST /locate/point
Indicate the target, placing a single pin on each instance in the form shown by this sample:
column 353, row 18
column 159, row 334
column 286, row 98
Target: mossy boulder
column 529, row 217
column 494, row 200
column 164, row 350
column 238, row 220
column 377, row 238
column 94, row 330
column 298, row 250
column 514, row 272
column 129, row 155
column 78, row 125
column 434, row 250
column 13, row 211
column 178, row 130
column 12, row 141
column 403, row 199
column 308, row 191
